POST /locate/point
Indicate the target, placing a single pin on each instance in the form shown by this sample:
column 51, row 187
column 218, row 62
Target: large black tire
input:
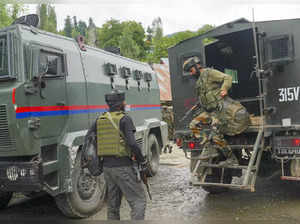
column 5, row 198
column 88, row 194
column 153, row 154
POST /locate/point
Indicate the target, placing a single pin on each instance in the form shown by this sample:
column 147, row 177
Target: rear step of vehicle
column 249, row 178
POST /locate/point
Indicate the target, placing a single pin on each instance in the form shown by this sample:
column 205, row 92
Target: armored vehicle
column 263, row 60
column 52, row 89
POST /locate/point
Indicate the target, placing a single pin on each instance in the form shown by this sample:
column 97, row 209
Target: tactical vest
column 208, row 91
column 109, row 140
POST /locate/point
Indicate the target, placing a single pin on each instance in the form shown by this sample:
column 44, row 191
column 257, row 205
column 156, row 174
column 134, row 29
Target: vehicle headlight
column 12, row 173
column 23, row 172
column 32, row 172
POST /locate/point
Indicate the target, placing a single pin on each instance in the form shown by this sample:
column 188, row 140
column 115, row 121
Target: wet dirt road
column 274, row 201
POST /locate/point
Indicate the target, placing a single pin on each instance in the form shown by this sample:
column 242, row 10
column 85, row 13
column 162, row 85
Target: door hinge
column 34, row 123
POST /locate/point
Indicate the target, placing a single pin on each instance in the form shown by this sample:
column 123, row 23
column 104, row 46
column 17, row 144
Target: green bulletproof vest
column 208, row 91
column 109, row 140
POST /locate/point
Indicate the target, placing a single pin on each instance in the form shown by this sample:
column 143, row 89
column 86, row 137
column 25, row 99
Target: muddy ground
column 274, row 201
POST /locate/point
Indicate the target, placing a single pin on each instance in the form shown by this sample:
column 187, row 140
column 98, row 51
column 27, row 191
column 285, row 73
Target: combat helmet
column 114, row 98
column 190, row 62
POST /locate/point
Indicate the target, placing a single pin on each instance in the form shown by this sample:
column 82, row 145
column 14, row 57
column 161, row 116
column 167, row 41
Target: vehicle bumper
column 20, row 176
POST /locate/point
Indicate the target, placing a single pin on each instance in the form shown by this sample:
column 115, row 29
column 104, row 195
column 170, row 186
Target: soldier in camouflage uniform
column 167, row 116
column 116, row 144
column 212, row 87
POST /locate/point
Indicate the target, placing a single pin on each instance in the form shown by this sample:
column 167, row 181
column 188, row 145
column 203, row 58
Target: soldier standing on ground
column 211, row 87
column 167, row 116
column 116, row 144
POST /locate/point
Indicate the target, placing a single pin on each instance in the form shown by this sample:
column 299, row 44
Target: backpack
column 233, row 116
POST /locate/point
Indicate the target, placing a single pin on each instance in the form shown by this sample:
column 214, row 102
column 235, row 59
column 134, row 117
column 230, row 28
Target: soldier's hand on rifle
column 144, row 166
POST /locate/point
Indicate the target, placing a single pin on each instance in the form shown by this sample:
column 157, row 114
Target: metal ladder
column 250, row 173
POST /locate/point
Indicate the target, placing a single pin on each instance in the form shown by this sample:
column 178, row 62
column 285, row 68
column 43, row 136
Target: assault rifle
column 141, row 175
column 196, row 105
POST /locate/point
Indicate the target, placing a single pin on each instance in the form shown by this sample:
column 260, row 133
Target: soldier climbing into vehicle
column 223, row 114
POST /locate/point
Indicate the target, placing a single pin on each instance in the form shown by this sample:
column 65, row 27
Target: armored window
column 279, row 49
column 111, row 71
column 148, row 79
column 125, row 72
column 3, row 56
column 55, row 62
column 233, row 73
column 138, row 75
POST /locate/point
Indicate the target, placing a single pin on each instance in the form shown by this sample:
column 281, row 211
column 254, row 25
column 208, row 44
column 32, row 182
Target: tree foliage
column 130, row 36
column 48, row 20
column 9, row 12
column 68, row 27
column 109, row 34
column 160, row 46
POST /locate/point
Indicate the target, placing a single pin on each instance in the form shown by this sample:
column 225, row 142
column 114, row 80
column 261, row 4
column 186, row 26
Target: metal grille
column 280, row 48
column 6, row 143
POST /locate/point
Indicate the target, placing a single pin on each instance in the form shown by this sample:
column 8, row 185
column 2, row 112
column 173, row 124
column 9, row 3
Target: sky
column 176, row 15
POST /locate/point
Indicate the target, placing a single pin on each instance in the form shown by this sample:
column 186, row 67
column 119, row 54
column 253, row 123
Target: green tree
column 91, row 33
column 48, row 20
column 109, row 34
column 68, row 27
column 5, row 18
column 128, row 46
column 137, row 34
column 52, row 20
column 43, row 12
column 16, row 10
column 160, row 46
column 157, row 29
column 75, row 23
column 82, row 28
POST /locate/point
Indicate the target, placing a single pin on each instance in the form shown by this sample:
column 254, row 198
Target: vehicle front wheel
column 153, row 154
column 88, row 194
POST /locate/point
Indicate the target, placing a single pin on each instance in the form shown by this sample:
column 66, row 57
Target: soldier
column 211, row 87
column 167, row 116
column 116, row 144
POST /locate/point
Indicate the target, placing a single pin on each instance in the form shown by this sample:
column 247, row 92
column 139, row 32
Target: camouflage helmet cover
column 190, row 62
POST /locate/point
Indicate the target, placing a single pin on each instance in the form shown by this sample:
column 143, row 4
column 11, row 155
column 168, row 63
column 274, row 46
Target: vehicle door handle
column 62, row 103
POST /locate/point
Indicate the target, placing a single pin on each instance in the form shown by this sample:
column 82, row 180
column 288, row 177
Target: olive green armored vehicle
column 51, row 90
column 263, row 60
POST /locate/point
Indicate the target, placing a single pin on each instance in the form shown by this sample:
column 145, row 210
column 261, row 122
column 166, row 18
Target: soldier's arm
column 128, row 129
column 221, row 77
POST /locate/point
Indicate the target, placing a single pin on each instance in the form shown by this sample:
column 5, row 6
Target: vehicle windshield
column 3, row 57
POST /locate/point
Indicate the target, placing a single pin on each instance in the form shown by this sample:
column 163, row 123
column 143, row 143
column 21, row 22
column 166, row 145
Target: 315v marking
column 289, row 94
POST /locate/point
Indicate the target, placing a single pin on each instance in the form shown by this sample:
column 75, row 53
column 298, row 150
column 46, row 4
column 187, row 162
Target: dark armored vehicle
column 52, row 89
column 263, row 59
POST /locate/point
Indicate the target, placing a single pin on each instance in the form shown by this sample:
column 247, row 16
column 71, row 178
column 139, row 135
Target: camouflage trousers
column 205, row 127
column 123, row 181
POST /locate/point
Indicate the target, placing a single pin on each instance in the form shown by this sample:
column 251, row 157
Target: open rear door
column 183, row 84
